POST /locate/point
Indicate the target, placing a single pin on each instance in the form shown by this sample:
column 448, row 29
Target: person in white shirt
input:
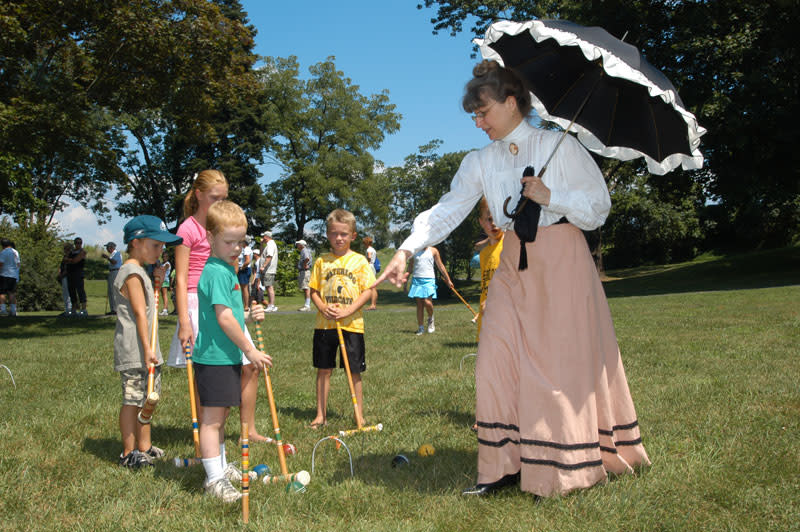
column 269, row 268
column 371, row 255
column 114, row 258
column 553, row 406
column 9, row 277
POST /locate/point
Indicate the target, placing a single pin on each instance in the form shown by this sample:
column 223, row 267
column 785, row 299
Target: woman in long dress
column 553, row 407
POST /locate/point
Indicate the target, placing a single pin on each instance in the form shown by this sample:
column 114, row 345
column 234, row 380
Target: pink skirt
column 552, row 397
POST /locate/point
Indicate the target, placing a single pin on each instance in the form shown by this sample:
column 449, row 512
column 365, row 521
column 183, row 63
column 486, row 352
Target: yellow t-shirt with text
column 341, row 280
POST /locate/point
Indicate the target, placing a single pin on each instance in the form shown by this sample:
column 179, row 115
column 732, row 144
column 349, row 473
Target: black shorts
column 7, row 285
column 326, row 342
column 218, row 385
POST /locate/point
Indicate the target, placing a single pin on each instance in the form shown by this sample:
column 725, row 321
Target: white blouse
column 577, row 188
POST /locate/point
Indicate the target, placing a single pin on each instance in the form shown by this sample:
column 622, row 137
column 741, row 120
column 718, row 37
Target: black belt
column 562, row 220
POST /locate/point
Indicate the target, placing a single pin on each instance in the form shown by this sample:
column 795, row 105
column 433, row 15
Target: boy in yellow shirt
column 340, row 282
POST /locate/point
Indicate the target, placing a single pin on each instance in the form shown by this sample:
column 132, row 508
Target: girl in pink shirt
column 209, row 187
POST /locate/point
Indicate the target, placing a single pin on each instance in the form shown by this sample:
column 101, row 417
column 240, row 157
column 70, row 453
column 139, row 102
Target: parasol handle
column 513, row 213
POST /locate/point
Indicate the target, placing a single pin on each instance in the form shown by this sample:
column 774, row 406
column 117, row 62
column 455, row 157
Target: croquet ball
column 289, row 449
column 426, row 449
column 303, row 477
column 261, row 470
column 295, row 487
column 400, row 461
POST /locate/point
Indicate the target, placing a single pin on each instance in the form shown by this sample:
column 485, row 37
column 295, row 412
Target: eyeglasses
column 480, row 115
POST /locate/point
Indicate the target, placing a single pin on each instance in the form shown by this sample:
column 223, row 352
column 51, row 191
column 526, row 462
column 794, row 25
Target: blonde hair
column 224, row 214
column 343, row 217
column 483, row 207
column 202, row 182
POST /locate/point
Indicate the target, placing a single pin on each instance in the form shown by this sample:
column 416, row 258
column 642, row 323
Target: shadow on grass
column 763, row 269
column 24, row 327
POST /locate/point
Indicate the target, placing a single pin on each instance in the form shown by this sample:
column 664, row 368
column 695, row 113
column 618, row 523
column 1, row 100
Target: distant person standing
column 243, row 272
column 269, row 268
column 114, row 258
column 62, row 279
column 165, row 283
column 9, row 277
column 76, row 261
column 304, row 273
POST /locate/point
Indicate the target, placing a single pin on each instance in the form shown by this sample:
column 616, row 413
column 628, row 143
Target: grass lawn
column 710, row 349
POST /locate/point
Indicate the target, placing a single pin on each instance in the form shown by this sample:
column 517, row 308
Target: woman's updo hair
column 491, row 81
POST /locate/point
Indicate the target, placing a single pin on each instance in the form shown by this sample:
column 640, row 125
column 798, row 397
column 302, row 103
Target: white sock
column 214, row 471
column 222, row 459
column 308, row 301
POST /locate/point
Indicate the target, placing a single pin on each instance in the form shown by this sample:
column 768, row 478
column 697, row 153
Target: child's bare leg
column 143, row 436
column 323, row 387
column 247, row 410
column 359, row 396
column 420, row 310
column 127, row 427
column 429, row 307
column 212, row 430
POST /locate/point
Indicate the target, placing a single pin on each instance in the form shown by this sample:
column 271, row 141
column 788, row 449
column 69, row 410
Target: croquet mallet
column 245, row 474
column 474, row 314
column 146, row 413
column 187, row 350
column 273, row 411
column 360, row 427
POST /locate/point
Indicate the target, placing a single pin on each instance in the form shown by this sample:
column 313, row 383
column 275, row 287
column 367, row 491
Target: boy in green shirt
column 220, row 344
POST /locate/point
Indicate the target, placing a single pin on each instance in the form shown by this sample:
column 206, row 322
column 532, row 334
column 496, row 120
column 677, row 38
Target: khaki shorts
column 134, row 386
column 303, row 278
column 268, row 279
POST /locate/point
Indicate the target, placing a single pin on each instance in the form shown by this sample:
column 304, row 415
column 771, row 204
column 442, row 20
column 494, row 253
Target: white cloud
column 81, row 222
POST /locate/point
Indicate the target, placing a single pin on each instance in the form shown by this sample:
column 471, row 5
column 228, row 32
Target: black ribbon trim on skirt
column 497, row 426
column 629, row 426
column 559, row 465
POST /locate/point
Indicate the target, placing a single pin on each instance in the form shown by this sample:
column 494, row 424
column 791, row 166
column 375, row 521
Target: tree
column 734, row 64
column 417, row 186
column 324, row 128
column 75, row 76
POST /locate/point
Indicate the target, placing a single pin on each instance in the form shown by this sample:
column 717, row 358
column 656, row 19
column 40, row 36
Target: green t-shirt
column 218, row 285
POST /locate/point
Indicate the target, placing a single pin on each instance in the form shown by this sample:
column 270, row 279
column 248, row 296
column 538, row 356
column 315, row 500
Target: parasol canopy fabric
column 622, row 106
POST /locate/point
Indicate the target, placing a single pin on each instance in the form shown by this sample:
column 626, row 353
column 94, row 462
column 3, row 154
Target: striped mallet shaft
column 145, row 415
column 371, row 428
column 187, row 350
column 272, row 410
column 245, row 474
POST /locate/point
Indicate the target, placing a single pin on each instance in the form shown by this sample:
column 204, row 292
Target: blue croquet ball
column 295, row 487
column 400, row 461
column 261, row 470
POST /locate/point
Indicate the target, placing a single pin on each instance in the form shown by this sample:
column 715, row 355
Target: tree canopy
column 734, row 63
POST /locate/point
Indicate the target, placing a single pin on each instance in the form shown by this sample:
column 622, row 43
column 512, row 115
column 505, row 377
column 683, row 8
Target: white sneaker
column 232, row 473
column 304, row 308
column 164, row 312
column 222, row 489
column 431, row 326
column 421, row 330
column 272, row 308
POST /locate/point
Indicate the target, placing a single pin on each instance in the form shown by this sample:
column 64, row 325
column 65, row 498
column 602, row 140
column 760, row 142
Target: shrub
column 40, row 252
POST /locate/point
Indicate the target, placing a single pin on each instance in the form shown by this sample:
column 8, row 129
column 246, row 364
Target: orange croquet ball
column 426, row 449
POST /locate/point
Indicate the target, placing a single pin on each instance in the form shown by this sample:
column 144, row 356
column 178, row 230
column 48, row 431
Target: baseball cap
column 301, row 242
column 147, row 226
column 111, row 244
column 267, row 233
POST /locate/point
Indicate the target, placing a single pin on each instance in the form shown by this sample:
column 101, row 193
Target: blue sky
column 379, row 45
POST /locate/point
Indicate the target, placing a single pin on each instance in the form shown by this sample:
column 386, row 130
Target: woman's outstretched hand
column 395, row 271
